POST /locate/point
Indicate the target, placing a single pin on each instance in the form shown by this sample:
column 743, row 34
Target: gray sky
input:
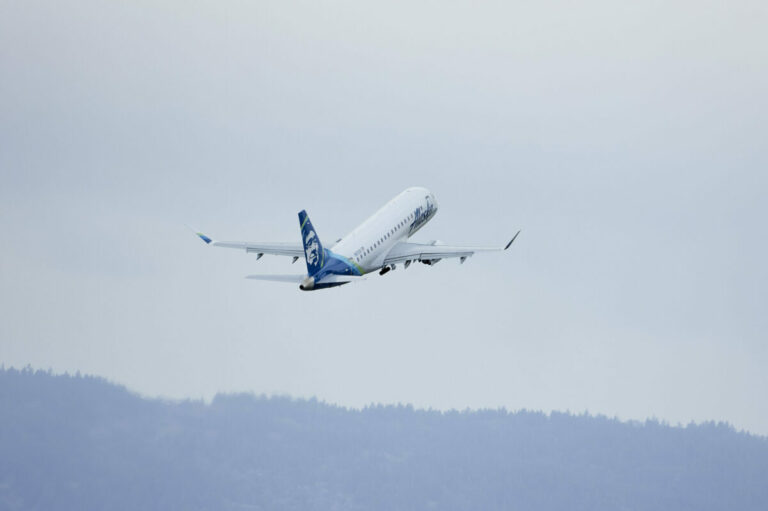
column 627, row 140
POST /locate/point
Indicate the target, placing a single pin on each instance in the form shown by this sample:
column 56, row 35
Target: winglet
column 200, row 235
column 512, row 240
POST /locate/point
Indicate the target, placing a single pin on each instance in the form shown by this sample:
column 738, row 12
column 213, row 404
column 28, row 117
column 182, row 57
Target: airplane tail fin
column 313, row 249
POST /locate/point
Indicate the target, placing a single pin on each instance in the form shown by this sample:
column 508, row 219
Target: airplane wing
column 295, row 250
column 432, row 252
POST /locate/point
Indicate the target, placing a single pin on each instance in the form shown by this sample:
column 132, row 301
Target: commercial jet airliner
column 379, row 243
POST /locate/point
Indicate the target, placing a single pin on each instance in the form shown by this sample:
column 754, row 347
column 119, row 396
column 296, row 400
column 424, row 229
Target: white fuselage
column 368, row 244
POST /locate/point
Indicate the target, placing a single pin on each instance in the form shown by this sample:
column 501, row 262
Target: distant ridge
column 73, row 442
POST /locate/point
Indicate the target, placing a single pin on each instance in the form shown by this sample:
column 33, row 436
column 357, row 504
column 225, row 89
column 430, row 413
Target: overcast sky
column 626, row 139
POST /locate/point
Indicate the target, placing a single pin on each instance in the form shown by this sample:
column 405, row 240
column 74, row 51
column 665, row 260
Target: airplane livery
column 379, row 243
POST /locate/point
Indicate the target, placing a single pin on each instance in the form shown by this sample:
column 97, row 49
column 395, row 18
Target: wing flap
column 424, row 254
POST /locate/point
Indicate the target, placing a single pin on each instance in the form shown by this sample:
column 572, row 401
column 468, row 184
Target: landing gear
column 387, row 269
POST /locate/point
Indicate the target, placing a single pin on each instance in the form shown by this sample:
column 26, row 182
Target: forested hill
column 80, row 443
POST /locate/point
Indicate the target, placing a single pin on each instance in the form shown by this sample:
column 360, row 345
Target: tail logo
column 312, row 248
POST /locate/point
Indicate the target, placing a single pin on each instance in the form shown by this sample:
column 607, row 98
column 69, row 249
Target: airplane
column 378, row 244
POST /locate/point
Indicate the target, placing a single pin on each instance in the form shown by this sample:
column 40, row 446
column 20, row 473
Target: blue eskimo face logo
column 311, row 250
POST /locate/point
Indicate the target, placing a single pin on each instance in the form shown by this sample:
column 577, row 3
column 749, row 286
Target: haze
column 628, row 141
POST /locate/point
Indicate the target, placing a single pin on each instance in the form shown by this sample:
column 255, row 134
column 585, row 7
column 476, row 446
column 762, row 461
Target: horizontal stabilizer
column 278, row 278
column 341, row 279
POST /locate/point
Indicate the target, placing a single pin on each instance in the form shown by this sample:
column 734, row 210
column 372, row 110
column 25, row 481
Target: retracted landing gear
column 387, row 269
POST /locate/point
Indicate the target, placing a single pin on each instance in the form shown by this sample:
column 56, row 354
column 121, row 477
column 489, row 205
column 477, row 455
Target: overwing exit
column 378, row 244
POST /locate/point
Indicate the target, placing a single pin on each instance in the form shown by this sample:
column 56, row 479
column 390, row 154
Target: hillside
column 71, row 442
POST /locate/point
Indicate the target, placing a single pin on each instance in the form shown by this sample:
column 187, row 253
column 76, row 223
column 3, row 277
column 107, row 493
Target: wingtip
column 512, row 240
column 200, row 235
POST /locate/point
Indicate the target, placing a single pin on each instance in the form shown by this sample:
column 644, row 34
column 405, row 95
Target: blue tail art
column 313, row 249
